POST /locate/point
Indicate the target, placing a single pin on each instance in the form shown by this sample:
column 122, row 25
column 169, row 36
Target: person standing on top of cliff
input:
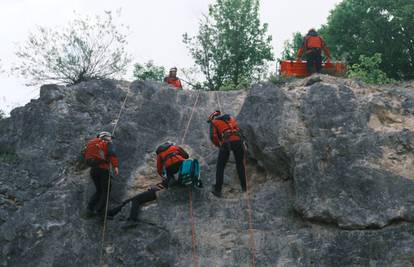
column 226, row 135
column 313, row 45
column 169, row 160
column 99, row 154
column 173, row 80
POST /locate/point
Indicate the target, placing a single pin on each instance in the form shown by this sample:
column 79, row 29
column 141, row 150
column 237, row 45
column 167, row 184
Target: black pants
column 239, row 153
column 100, row 179
column 140, row 199
column 314, row 58
column 151, row 194
column 171, row 172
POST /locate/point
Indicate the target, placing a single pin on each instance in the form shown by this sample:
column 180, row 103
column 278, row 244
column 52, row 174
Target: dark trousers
column 151, row 194
column 171, row 172
column 314, row 58
column 224, row 153
column 100, row 179
column 141, row 199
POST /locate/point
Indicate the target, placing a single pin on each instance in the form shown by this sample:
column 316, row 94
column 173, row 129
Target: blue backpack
column 189, row 173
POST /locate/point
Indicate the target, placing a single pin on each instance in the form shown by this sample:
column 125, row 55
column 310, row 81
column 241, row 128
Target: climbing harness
column 109, row 184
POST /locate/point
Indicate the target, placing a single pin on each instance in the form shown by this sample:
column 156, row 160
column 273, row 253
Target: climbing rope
column 191, row 117
column 250, row 214
column 252, row 242
column 109, row 185
column 193, row 229
column 190, row 193
column 218, row 101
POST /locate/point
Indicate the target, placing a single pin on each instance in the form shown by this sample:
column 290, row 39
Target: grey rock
column 330, row 168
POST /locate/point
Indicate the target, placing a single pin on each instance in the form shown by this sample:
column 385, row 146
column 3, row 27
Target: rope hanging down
column 190, row 193
column 109, row 184
column 193, row 229
column 252, row 242
column 250, row 217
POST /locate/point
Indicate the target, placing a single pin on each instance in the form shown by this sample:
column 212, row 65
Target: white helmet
column 105, row 136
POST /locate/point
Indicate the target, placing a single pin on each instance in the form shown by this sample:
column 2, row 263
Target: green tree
column 366, row 27
column 149, row 71
column 87, row 48
column 232, row 45
column 368, row 70
column 291, row 47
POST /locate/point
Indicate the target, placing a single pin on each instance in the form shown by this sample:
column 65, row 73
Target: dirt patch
column 401, row 164
column 385, row 121
column 145, row 176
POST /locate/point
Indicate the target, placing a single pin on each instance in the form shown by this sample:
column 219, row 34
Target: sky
column 156, row 29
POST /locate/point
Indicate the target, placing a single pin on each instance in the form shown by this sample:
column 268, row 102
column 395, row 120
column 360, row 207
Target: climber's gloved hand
column 116, row 171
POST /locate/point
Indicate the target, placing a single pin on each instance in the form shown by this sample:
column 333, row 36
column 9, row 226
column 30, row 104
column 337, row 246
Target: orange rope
column 193, row 232
column 190, row 195
column 250, row 216
column 248, row 201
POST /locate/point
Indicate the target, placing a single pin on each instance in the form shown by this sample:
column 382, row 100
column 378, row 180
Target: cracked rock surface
column 330, row 167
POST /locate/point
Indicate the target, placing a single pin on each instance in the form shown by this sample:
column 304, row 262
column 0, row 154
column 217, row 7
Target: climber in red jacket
column 226, row 135
column 173, row 80
column 169, row 160
column 313, row 45
column 99, row 154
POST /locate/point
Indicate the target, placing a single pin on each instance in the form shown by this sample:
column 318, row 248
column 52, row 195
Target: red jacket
column 170, row 156
column 175, row 82
column 312, row 41
column 108, row 152
column 224, row 129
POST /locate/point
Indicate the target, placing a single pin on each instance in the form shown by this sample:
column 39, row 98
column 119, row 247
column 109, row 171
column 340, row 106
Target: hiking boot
column 217, row 193
column 89, row 214
column 130, row 219
column 130, row 223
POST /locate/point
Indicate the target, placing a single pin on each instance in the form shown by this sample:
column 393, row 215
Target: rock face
column 330, row 167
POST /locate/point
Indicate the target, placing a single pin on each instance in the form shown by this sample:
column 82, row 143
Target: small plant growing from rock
column 368, row 70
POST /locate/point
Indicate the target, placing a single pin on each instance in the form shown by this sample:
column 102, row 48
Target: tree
column 291, row 47
column 368, row 70
column 149, row 71
column 232, row 45
column 366, row 27
column 87, row 48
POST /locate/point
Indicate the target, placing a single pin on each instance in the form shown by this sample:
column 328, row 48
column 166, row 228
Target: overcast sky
column 156, row 29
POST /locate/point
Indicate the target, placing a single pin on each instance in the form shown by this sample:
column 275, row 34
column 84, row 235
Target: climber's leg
column 139, row 200
column 171, row 172
column 94, row 173
column 318, row 61
column 223, row 157
column 103, row 197
column 239, row 155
